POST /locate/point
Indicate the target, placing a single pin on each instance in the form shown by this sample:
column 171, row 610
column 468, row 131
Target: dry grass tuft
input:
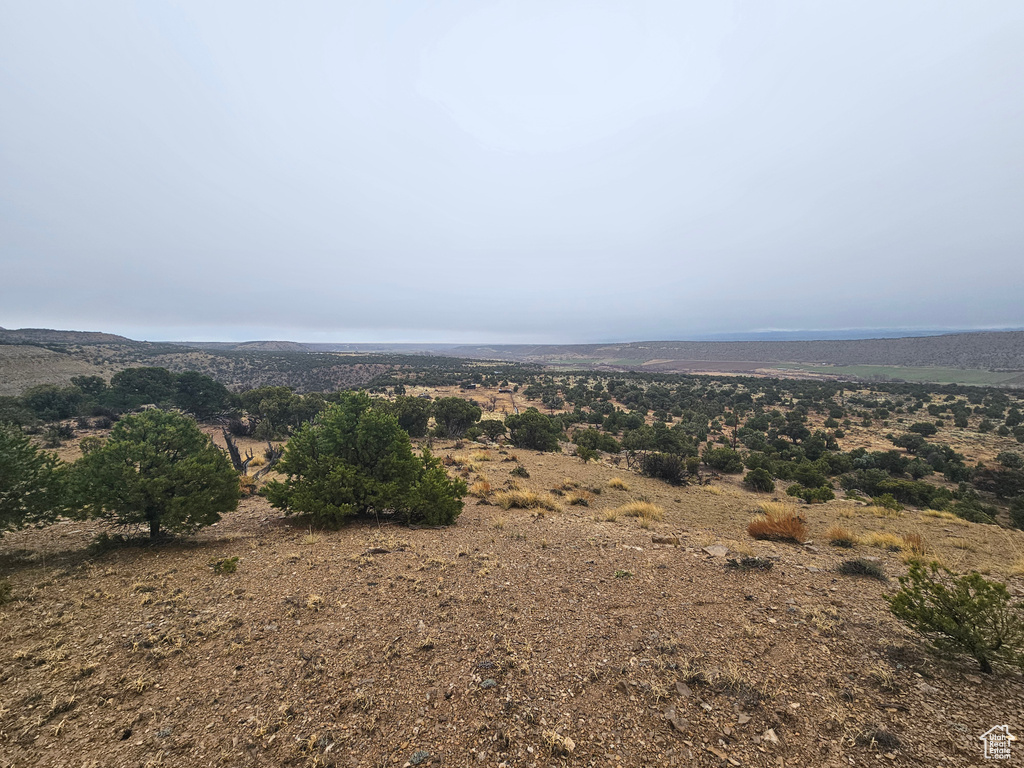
column 965, row 544
column 778, row 522
column 618, row 484
column 884, row 512
column 464, row 462
column 947, row 517
column 608, row 516
column 311, row 538
column 516, row 499
column 914, row 545
column 642, row 509
column 884, row 540
column 480, row 456
column 480, row 489
column 1017, row 569
column 578, row 499
column 841, row 537
column 826, row 620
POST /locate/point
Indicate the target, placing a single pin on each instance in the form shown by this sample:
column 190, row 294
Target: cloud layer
column 487, row 171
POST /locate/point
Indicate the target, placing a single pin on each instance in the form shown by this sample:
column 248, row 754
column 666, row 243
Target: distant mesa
column 50, row 336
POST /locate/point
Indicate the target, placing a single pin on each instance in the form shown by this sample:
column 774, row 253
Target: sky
column 528, row 171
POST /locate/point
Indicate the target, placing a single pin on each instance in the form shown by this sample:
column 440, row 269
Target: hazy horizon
column 776, row 334
column 526, row 172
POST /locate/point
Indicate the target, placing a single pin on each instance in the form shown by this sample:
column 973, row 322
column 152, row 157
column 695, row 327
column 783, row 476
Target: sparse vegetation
column 225, row 565
column 778, row 522
column 862, row 567
column 962, row 614
column 841, row 537
column 488, row 588
column 520, row 499
column 759, row 479
column 642, row 509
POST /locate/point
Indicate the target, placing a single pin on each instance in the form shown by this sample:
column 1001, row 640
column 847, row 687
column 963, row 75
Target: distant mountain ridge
column 978, row 350
column 988, row 350
column 50, row 336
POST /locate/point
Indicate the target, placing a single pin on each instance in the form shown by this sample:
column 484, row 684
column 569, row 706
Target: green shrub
column 724, row 460
column 811, row 495
column 5, row 591
column 492, row 428
column 454, row 416
column 31, row 488
column 156, row 470
column 597, row 441
column 356, row 460
column 225, row 565
column 962, row 614
column 532, row 429
column 759, row 480
column 1017, row 512
column 1011, row 460
column 887, row 501
column 520, row 471
column 664, row 466
column 973, row 510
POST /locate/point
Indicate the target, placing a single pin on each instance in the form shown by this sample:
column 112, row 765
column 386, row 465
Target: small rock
column 743, row 719
column 489, row 683
column 770, row 736
column 717, row 550
column 678, row 723
column 419, row 756
column 683, row 689
column 930, row 690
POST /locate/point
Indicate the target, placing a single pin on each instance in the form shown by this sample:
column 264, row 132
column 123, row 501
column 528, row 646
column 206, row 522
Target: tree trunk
column 154, row 528
column 986, row 667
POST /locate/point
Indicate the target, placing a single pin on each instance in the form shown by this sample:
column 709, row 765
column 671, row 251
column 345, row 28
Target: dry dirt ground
column 515, row 638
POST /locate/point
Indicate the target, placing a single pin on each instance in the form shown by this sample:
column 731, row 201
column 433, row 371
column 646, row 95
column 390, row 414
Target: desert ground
column 565, row 635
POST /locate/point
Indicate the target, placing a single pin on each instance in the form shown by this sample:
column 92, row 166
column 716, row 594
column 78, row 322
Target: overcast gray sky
column 518, row 171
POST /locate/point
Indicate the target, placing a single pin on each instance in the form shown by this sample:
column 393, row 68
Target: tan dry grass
column 525, row 500
column 947, row 517
column 884, row 540
column 480, row 489
column 618, row 484
column 841, row 537
column 642, row 509
column 778, row 522
column 884, row 512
